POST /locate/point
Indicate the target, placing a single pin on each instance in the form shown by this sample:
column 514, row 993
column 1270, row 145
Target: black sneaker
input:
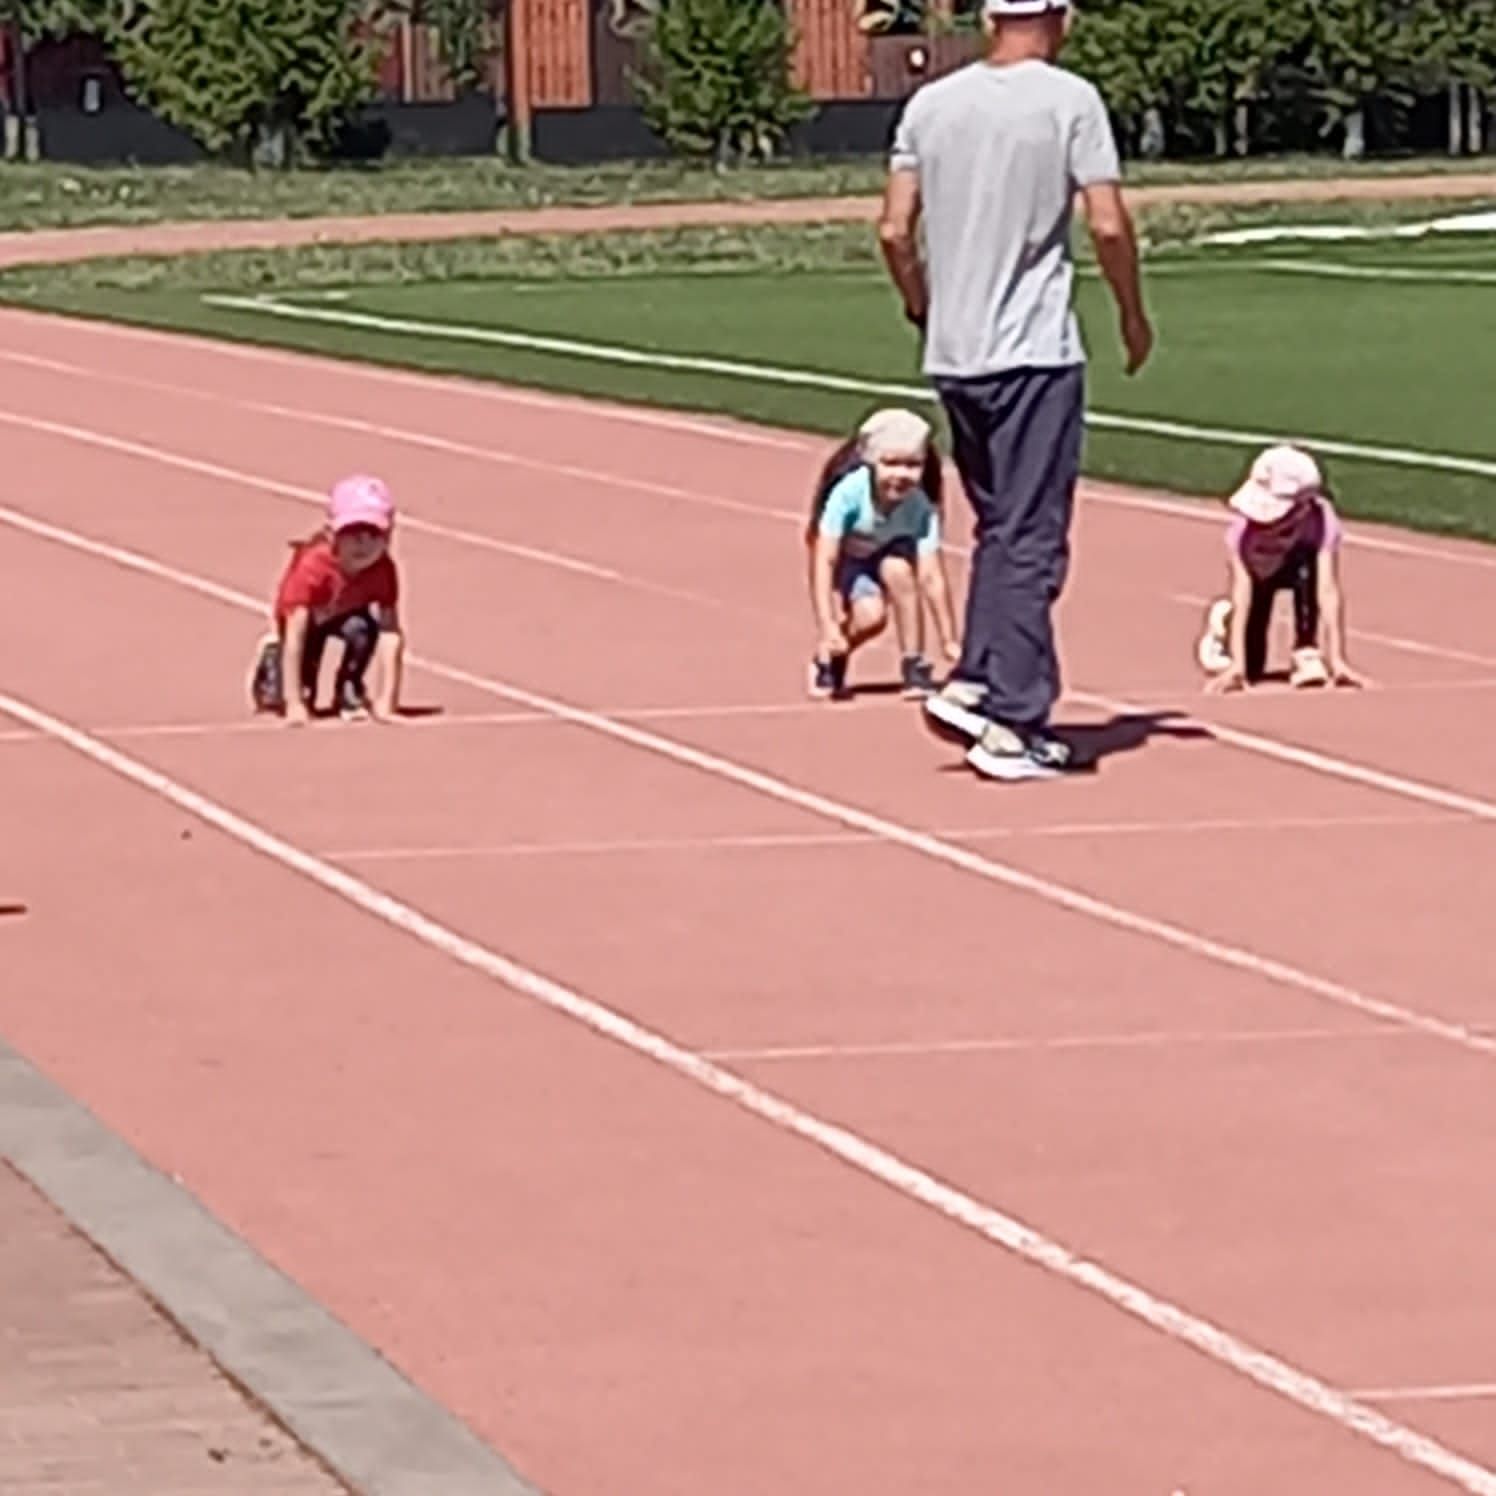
column 353, row 704
column 917, row 677
column 266, row 688
column 828, row 677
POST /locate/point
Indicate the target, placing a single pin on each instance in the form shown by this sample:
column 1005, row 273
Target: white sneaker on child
column 1309, row 670
column 1213, row 651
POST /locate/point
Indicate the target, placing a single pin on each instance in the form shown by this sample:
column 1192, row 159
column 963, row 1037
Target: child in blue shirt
column 875, row 549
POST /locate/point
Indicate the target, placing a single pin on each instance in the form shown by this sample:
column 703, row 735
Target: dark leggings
column 1300, row 575
column 359, row 633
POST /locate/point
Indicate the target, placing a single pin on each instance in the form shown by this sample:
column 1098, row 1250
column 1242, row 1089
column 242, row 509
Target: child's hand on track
column 1351, row 680
column 952, row 650
column 296, row 714
column 1225, row 683
column 834, row 641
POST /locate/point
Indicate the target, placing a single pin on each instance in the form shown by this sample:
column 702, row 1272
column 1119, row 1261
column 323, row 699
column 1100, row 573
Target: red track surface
column 630, row 1285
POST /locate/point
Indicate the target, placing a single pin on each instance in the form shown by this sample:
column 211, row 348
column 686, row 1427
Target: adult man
column 992, row 158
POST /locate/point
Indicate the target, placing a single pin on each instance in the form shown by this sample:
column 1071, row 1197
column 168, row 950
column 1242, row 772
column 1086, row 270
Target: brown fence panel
column 831, row 53
column 617, row 28
column 560, row 60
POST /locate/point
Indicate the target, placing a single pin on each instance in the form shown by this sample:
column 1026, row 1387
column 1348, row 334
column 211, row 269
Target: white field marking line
column 1309, row 758
column 858, row 1153
column 1454, row 1392
column 915, row 1049
column 614, row 353
column 1388, row 641
column 1237, row 958
column 777, row 841
column 1196, row 512
column 1336, row 270
column 1322, row 763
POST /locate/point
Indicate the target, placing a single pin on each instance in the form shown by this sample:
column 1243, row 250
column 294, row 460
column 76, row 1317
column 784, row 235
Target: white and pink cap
column 1280, row 478
column 360, row 500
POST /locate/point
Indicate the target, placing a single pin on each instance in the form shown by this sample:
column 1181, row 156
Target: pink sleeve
column 1334, row 530
column 1234, row 532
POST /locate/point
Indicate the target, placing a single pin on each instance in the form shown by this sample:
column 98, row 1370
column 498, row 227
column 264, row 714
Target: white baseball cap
column 1024, row 7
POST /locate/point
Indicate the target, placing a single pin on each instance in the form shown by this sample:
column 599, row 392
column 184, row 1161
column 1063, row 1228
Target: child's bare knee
column 869, row 616
column 898, row 576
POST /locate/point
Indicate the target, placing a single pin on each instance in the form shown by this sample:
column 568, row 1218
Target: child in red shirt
column 340, row 584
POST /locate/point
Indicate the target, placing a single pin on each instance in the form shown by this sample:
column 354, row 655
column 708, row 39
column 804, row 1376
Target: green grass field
column 1386, row 344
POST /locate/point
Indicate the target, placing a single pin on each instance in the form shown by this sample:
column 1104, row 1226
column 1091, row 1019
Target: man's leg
column 1036, row 427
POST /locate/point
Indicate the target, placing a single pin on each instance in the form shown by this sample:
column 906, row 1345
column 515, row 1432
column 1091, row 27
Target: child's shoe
column 917, row 678
column 1213, row 650
column 828, row 677
column 1309, row 670
column 353, row 704
column 266, row 688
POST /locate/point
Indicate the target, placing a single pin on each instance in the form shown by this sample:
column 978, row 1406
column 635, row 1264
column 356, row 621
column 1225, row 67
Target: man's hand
column 1137, row 339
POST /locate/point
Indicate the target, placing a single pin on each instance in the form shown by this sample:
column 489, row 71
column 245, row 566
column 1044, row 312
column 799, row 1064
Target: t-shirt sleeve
column 928, row 543
column 1334, row 530
column 1236, row 529
column 904, row 155
column 309, row 583
column 840, row 511
column 1093, row 146
column 388, row 584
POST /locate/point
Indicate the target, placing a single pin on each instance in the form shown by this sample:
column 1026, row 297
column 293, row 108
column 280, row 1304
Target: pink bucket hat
column 360, row 500
column 1280, row 478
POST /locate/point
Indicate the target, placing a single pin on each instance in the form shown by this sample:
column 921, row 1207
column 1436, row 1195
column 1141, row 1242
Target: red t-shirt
column 314, row 581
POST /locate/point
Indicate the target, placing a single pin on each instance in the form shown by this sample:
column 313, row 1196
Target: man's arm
column 1116, row 244
column 898, row 237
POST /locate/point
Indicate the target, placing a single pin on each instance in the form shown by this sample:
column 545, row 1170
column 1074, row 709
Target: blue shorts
column 857, row 576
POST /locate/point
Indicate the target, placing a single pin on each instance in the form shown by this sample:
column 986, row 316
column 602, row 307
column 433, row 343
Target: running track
column 1215, row 1018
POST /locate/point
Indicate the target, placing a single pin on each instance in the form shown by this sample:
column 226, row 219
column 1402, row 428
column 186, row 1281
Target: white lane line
column 1006, row 1231
column 1313, row 760
column 1319, row 762
column 1193, row 511
column 1338, row 270
column 1016, row 1044
column 785, row 841
column 827, row 382
column 1222, row 953
column 1454, row 1392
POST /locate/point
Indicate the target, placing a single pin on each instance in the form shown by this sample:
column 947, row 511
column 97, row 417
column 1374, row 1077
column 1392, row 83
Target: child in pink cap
column 341, row 584
column 1284, row 536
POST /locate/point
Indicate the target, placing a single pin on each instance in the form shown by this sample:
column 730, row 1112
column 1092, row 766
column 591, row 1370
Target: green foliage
column 248, row 77
column 462, row 27
column 716, row 81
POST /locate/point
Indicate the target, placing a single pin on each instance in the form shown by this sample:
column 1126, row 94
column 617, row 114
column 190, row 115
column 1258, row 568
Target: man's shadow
column 1092, row 743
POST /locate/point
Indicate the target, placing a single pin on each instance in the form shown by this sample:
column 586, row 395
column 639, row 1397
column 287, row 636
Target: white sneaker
column 1001, row 753
column 1309, row 670
column 954, row 711
column 1213, row 651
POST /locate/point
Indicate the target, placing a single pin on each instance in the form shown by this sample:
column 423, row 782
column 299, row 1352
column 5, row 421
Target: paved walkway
column 100, row 1395
column 49, row 246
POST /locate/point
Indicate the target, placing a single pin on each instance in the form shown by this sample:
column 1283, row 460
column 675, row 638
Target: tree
column 1233, row 46
column 256, row 79
column 1355, row 51
column 717, row 78
column 1456, row 44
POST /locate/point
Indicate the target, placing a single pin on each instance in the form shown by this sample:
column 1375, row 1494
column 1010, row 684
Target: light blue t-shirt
column 852, row 516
